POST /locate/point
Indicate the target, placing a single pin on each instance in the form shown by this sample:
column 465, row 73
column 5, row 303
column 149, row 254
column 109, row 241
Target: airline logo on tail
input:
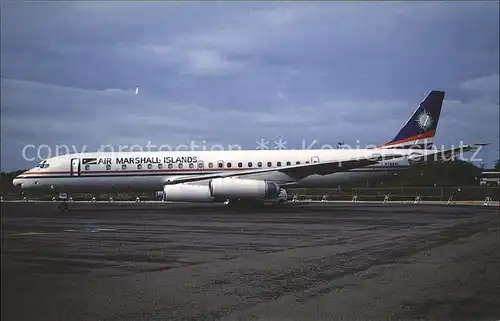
column 420, row 129
column 424, row 120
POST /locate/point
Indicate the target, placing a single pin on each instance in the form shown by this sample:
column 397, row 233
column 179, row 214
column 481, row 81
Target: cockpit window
column 46, row 165
column 41, row 164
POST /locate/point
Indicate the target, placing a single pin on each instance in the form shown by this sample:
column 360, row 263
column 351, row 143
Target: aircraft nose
column 17, row 182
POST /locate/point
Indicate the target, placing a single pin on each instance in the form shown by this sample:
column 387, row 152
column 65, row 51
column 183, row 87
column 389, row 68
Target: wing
column 442, row 155
column 296, row 172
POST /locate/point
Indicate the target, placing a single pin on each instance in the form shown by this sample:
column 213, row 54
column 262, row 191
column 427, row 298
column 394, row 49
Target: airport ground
column 299, row 262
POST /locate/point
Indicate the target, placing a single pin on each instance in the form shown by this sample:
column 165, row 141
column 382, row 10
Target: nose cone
column 17, row 182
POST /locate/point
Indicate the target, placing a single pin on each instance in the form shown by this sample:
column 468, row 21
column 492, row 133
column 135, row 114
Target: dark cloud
column 232, row 73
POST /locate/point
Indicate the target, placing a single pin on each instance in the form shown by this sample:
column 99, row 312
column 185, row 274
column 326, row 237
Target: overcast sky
column 234, row 73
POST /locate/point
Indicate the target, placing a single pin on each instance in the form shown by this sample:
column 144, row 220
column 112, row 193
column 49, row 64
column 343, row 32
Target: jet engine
column 187, row 193
column 221, row 189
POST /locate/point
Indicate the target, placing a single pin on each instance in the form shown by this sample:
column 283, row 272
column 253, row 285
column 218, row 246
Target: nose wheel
column 63, row 207
column 64, row 198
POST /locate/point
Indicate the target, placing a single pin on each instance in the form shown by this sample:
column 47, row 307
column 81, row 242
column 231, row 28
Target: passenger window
column 307, row 162
column 108, row 167
column 278, row 164
column 191, row 165
column 269, row 164
column 249, row 164
column 288, row 163
column 150, row 166
column 87, row 167
column 124, row 166
column 160, row 166
column 200, row 165
column 170, row 166
column 210, row 165
column 221, row 165
column 180, row 165
column 259, row 164
column 240, row 164
column 297, row 162
column 228, row 165
column 139, row 166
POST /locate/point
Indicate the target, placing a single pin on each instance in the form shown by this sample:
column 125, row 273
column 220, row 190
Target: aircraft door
column 75, row 167
column 315, row 159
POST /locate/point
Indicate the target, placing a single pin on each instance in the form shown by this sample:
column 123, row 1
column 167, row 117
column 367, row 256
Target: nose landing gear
column 63, row 207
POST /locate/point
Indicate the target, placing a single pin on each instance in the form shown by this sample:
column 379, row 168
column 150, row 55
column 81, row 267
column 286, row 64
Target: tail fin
column 420, row 129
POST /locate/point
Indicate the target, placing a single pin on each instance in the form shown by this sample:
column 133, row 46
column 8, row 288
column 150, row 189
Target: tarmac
column 212, row 262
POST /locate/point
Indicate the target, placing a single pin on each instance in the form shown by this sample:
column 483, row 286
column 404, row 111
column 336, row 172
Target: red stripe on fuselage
column 45, row 172
column 166, row 171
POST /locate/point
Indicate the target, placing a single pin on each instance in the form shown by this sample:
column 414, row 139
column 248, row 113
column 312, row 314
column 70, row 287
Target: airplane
column 242, row 175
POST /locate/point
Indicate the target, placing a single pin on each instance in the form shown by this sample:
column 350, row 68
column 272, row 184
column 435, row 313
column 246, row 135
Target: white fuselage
column 149, row 171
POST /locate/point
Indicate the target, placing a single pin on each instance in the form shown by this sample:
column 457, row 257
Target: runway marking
column 85, row 230
column 31, row 233
column 91, row 230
